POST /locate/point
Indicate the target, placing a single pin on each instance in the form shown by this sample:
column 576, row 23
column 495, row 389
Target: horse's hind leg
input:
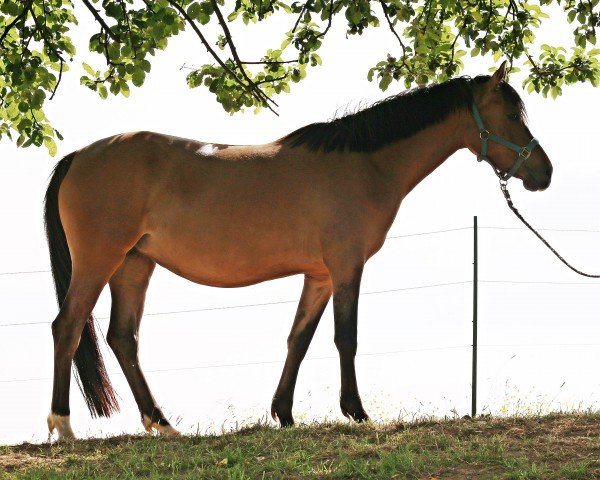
column 128, row 290
column 85, row 287
column 315, row 295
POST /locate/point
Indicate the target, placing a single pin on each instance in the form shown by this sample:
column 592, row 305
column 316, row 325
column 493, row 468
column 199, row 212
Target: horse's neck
column 407, row 162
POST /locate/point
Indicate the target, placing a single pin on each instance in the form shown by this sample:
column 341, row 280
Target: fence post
column 474, row 367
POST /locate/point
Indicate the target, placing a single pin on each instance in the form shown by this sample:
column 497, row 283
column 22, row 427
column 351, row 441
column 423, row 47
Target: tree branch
column 489, row 22
column 462, row 27
column 210, row 50
column 391, row 25
column 100, row 20
column 268, row 62
column 534, row 65
column 261, row 95
column 44, row 33
column 393, row 30
column 324, row 32
column 300, row 15
column 60, row 72
column 126, row 15
column 283, row 77
column 20, row 16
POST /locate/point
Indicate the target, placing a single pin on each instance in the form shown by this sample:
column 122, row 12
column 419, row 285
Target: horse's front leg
column 346, row 288
column 315, row 295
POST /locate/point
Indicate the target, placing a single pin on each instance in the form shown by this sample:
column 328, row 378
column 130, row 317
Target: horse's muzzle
column 536, row 180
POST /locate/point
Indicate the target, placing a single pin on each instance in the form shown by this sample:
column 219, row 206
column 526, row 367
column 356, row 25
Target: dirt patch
column 23, row 461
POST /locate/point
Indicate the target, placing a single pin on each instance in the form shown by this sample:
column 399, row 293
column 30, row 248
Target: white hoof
column 62, row 424
column 166, row 430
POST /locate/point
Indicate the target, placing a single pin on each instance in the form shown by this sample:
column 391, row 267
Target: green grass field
column 557, row 446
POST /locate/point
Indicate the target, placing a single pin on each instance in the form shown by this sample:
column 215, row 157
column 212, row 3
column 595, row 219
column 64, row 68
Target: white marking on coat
column 165, row 430
column 207, row 150
column 62, row 424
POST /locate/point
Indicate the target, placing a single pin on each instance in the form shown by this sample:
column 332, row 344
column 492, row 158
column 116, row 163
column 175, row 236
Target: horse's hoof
column 62, row 424
column 281, row 411
column 361, row 417
column 354, row 411
column 358, row 417
column 166, row 430
column 284, row 420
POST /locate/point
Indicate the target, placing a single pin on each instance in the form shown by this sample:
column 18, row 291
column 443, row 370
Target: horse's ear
column 498, row 76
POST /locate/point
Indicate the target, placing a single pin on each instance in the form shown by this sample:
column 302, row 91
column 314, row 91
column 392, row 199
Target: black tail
column 90, row 371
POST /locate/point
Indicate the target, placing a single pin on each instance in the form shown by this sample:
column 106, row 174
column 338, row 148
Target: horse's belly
column 229, row 264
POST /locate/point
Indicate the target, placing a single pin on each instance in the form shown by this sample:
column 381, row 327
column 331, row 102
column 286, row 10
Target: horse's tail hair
column 90, row 371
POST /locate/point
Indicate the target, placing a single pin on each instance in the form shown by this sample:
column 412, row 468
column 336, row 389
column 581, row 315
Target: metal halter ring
column 484, row 134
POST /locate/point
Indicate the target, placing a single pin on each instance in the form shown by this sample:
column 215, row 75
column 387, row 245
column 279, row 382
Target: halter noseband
column 523, row 152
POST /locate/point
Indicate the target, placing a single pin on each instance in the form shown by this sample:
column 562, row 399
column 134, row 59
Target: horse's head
column 500, row 134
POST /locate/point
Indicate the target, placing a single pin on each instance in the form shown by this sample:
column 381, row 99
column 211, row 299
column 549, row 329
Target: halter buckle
column 525, row 153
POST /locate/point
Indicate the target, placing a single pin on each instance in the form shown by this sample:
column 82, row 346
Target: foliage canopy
column 432, row 38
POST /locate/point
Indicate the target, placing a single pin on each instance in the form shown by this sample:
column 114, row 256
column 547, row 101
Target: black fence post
column 474, row 367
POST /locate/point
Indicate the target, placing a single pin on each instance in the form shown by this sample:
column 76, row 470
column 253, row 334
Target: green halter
column 523, row 152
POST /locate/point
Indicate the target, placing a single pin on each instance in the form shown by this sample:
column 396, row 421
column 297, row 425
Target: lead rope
column 504, row 189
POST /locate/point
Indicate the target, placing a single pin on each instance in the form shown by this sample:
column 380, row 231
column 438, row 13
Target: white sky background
column 405, row 384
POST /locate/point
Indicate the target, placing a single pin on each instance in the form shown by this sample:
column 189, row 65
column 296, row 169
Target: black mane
column 397, row 117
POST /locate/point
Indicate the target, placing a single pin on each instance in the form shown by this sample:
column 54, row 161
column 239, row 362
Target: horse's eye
column 513, row 117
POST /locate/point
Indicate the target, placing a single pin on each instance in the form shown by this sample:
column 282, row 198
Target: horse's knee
column 299, row 338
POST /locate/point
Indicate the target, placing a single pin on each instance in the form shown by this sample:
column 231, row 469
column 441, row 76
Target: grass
column 557, row 446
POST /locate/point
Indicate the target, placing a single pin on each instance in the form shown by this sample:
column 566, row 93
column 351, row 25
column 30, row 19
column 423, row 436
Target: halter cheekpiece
column 484, row 134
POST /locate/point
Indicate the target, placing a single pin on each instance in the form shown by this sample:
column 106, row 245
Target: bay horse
column 317, row 202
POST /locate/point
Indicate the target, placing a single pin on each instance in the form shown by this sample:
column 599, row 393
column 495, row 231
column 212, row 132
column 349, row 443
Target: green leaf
column 89, row 69
column 194, row 10
column 124, row 88
column 138, row 77
column 114, row 88
column 50, row 144
column 385, row 82
column 145, row 64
